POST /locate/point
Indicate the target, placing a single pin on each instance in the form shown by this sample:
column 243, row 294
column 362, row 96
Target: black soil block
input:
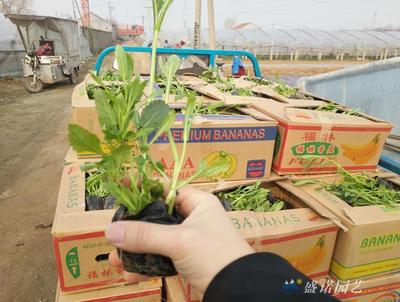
column 94, row 203
column 148, row 264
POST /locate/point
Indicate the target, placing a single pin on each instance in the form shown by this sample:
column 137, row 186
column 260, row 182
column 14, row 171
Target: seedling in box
column 250, row 198
column 126, row 119
column 360, row 189
column 260, row 199
column 276, row 217
column 368, row 206
column 328, row 132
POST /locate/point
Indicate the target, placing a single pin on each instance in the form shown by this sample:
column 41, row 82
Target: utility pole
column 110, row 9
column 374, row 20
column 79, row 11
column 149, row 11
column 211, row 25
column 197, row 25
column 73, row 9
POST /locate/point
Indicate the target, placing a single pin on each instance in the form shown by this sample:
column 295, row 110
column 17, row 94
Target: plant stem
column 153, row 63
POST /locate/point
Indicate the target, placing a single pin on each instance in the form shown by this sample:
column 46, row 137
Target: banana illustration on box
column 361, row 154
column 311, row 259
column 220, row 155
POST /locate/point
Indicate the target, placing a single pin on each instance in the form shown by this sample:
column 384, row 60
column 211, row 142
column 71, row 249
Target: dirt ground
column 304, row 68
column 33, row 137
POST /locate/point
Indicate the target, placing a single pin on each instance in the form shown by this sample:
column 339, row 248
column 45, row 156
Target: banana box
column 303, row 233
column 384, row 288
column 308, row 138
column 190, row 292
column 176, row 292
column 212, row 137
column 123, row 293
column 216, row 137
column 368, row 244
column 80, row 248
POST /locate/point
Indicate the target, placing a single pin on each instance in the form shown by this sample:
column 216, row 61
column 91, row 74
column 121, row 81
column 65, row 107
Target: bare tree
column 15, row 6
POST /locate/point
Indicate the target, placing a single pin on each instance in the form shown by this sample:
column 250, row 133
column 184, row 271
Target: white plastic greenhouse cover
column 325, row 41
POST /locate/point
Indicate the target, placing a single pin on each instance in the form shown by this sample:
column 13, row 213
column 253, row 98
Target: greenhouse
column 296, row 44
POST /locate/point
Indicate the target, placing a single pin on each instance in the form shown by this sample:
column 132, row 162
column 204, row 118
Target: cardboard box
column 124, row 293
column 369, row 244
column 355, row 142
column 291, row 233
column 384, row 288
column 211, row 136
column 191, row 293
column 80, row 247
column 175, row 291
column 212, row 90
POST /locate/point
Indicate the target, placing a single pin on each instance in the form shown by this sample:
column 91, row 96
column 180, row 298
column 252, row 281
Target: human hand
column 200, row 247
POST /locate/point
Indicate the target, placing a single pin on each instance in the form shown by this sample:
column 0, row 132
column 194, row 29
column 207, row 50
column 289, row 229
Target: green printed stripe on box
column 364, row 270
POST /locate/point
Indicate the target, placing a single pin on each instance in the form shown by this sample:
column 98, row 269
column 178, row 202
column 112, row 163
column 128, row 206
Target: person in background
column 180, row 44
column 212, row 256
column 238, row 69
column 166, row 44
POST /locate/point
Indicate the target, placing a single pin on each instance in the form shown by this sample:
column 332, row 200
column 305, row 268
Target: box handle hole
column 102, row 257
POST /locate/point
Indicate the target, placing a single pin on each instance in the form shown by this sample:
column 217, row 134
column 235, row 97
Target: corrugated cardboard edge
column 311, row 202
column 223, row 185
column 118, row 292
column 347, row 217
column 299, row 104
column 384, row 283
column 175, row 290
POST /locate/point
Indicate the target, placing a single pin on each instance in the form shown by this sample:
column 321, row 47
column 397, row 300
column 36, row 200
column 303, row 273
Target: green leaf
column 122, row 154
column 124, row 196
column 125, row 63
column 104, row 110
column 134, row 90
column 170, row 119
column 170, row 67
column 153, row 115
column 82, row 140
column 88, row 166
column 277, row 206
column 160, row 8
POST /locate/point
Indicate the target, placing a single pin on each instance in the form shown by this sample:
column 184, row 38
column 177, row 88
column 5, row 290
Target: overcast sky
column 326, row 14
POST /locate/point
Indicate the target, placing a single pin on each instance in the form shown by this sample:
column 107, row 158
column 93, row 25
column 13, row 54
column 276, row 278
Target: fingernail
column 115, row 232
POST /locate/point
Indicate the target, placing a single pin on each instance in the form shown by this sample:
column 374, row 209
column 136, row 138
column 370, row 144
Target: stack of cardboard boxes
column 272, row 132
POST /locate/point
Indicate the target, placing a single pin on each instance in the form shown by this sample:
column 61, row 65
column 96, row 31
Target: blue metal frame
column 389, row 164
column 183, row 53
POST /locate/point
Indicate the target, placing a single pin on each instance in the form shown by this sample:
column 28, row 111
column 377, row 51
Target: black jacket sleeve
column 263, row 277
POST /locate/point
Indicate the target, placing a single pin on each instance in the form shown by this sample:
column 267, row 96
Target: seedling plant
column 131, row 123
column 359, row 189
column 336, row 108
column 251, row 198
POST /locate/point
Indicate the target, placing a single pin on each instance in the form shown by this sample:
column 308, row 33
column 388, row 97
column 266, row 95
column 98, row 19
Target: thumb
column 143, row 237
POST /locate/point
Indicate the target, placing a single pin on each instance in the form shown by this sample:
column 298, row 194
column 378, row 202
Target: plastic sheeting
column 12, row 50
column 307, row 41
column 374, row 88
column 63, row 32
